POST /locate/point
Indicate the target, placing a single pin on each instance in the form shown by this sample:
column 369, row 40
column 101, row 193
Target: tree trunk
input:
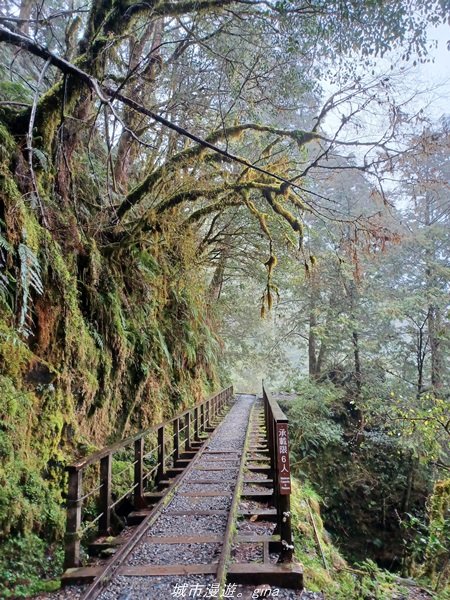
column 316, row 348
column 357, row 362
column 128, row 147
column 321, row 357
column 26, row 6
column 434, row 326
column 420, row 361
column 312, row 345
column 409, row 485
column 434, row 314
column 215, row 287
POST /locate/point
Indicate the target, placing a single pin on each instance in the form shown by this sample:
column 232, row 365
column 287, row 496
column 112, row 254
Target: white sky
column 428, row 83
column 437, row 73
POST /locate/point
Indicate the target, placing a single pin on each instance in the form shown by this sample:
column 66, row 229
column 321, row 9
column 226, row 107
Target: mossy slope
column 95, row 341
column 327, row 571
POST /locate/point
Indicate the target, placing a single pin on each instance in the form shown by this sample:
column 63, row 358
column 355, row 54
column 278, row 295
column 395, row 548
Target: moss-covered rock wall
column 96, row 340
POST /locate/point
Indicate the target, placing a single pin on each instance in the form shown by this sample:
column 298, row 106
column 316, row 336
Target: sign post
column 284, row 491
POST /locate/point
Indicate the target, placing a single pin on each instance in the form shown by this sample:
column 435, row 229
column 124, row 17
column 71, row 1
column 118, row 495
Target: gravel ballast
column 229, row 436
column 220, row 472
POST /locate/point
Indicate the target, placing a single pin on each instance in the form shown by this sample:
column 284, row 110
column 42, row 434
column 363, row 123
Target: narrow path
column 190, row 530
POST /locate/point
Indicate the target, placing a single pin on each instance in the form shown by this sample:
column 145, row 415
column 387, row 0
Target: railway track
column 215, row 526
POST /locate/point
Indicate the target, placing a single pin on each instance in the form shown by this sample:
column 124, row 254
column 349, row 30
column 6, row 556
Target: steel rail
column 229, row 532
column 98, row 585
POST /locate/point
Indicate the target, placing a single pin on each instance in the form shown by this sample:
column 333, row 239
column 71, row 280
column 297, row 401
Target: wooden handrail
column 277, row 413
column 278, row 442
column 113, row 448
column 202, row 414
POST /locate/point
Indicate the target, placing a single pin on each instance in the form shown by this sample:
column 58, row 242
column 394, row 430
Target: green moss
column 437, row 553
column 117, row 342
column 14, row 353
column 32, row 232
column 39, row 567
column 50, row 109
column 27, row 500
column 7, row 144
column 324, row 567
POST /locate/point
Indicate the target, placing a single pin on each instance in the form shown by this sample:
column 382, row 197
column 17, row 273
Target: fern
column 42, row 158
column 5, row 292
column 7, row 281
column 96, row 336
column 163, row 346
column 30, row 278
column 5, row 245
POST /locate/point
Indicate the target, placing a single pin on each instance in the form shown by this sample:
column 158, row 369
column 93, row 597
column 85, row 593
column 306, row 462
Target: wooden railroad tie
column 261, row 456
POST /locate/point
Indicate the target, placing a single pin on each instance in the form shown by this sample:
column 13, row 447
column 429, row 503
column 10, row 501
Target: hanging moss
column 283, row 212
column 437, row 553
column 116, row 341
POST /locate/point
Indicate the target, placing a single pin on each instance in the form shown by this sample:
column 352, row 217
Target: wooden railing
column 146, row 455
column 278, row 443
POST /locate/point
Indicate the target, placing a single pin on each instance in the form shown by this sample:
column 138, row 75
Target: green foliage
column 375, row 27
column 28, row 567
column 367, row 581
column 28, row 500
column 421, row 424
column 5, row 245
column 325, row 569
column 366, row 477
column 437, row 554
column 14, row 353
column 430, row 539
column 311, row 419
column 30, row 279
column 14, row 91
column 7, row 281
column 91, row 348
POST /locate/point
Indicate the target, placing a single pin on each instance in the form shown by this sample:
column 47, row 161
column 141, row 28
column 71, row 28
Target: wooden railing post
column 187, row 424
column 104, row 523
column 197, row 421
column 271, row 438
column 208, row 413
column 266, row 411
column 285, row 527
column 196, row 424
column 202, row 418
column 138, row 494
column 72, row 538
column 278, row 442
column 176, row 440
column 161, row 454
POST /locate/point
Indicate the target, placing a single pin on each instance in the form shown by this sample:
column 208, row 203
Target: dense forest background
column 197, row 193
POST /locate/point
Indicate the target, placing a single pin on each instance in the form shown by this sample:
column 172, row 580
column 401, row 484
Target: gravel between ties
column 230, row 438
column 163, row 554
column 201, row 503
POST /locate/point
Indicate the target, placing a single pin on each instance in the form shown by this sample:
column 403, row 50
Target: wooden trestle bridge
column 185, row 484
